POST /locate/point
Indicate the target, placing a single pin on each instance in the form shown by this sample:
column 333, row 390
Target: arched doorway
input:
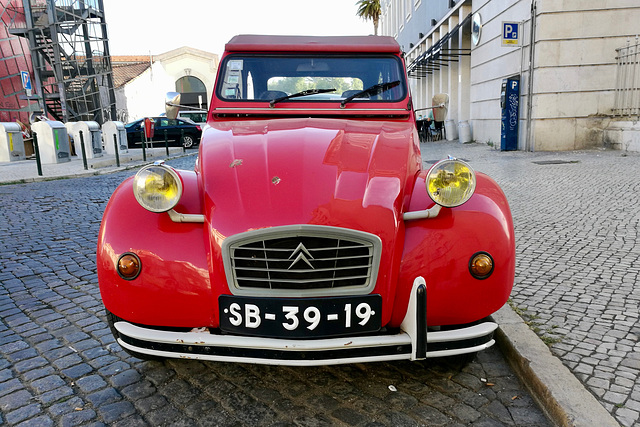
column 193, row 92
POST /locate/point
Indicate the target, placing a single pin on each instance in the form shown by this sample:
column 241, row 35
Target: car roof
column 266, row 43
column 181, row 119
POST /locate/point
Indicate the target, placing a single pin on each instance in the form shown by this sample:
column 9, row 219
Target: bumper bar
column 408, row 344
column 225, row 348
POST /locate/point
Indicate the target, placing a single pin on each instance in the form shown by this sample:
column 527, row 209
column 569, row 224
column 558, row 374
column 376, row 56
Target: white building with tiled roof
column 141, row 81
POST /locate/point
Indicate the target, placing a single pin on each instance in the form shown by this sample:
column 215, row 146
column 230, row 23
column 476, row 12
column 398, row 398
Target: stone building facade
column 565, row 61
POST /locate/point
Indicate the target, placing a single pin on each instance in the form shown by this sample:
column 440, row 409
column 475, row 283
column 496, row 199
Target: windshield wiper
column 296, row 95
column 373, row 90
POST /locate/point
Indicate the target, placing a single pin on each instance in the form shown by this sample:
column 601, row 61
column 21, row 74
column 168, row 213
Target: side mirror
column 172, row 105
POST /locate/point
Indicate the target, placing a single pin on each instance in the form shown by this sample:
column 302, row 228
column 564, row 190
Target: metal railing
column 627, row 99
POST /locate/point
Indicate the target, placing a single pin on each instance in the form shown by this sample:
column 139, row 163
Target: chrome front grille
column 302, row 260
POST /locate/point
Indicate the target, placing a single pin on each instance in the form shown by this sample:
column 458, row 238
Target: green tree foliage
column 370, row 10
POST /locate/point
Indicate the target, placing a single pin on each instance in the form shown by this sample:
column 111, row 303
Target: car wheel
column 188, row 141
column 111, row 321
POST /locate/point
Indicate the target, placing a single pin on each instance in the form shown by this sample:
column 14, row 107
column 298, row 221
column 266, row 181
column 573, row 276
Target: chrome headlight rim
column 139, row 189
column 440, row 167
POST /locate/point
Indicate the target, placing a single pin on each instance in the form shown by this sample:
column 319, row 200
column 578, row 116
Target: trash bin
column 53, row 142
column 451, row 130
column 92, row 138
column 111, row 128
column 11, row 142
column 465, row 131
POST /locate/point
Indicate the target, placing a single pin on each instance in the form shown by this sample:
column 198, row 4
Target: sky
column 140, row 27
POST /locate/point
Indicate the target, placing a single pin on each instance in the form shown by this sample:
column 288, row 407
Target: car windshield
column 311, row 78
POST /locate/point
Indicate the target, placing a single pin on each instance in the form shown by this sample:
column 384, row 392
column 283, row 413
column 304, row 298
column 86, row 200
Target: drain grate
column 555, row 162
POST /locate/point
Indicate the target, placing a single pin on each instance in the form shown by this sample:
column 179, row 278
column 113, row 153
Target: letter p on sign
column 511, row 33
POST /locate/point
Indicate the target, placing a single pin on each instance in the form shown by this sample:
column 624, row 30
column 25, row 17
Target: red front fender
column 174, row 286
column 439, row 249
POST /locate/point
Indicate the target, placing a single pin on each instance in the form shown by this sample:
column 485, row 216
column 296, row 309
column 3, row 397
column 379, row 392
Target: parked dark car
column 179, row 132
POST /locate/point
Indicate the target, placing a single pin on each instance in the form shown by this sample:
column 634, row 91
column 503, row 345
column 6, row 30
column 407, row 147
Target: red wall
column 14, row 57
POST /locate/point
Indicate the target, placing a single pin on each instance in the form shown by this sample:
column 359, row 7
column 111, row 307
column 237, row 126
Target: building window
column 193, row 92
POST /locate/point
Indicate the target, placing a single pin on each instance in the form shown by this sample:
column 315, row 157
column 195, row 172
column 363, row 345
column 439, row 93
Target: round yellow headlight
column 451, row 182
column 157, row 187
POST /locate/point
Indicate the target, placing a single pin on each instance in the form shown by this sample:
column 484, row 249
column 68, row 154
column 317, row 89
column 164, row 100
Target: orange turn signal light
column 129, row 266
column 481, row 265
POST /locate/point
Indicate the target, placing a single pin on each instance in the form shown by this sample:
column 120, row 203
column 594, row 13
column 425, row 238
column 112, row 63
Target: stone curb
column 92, row 172
column 561, row 396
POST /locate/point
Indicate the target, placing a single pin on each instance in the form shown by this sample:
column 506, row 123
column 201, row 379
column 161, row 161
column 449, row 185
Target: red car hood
column 343, row 173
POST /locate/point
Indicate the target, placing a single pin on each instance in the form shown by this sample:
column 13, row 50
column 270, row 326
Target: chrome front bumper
column 408, row 344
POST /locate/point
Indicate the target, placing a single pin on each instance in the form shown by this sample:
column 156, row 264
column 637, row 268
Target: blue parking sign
column 26, row 80
column 511, row 33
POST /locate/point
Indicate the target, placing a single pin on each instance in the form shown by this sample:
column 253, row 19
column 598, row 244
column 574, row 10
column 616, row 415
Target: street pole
column 37, row 153
column 115, row 145
column 84, row 154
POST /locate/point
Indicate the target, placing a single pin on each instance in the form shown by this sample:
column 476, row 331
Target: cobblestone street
column 576, row 216
column 59, row 364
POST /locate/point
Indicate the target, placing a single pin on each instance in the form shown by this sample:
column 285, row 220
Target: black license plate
column 300, row 317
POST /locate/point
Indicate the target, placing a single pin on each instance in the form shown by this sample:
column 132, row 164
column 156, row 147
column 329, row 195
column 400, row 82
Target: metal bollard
column 115, row 144
column 184, row 149
column 37, row 153
column 166, row 142
column 144, row 143
column 84, row 155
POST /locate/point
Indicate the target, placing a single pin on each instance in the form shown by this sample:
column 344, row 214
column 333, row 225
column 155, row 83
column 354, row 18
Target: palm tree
column 369, row 9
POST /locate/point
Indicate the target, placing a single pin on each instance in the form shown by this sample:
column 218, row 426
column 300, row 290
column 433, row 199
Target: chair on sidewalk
column 423, row 129
column 436, row 131
column 440, row 103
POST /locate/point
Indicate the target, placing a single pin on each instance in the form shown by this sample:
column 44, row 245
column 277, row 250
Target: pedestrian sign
column 26, row 82
column 511, row 33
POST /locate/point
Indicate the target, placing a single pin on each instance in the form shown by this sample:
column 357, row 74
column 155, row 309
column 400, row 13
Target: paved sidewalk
column 27, row 170
column 577, row 217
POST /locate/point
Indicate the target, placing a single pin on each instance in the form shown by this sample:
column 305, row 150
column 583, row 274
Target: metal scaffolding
column 70, row 56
